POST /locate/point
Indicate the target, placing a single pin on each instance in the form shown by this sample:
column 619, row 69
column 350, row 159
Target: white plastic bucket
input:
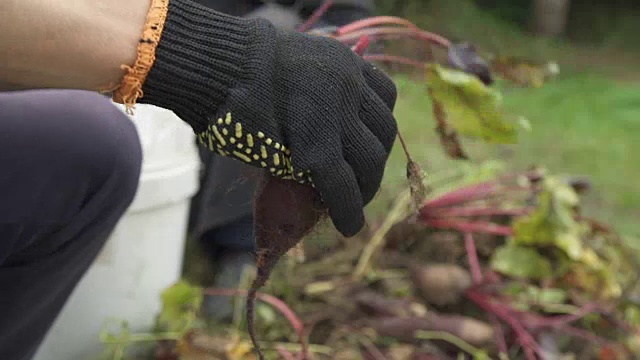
column 144, row 254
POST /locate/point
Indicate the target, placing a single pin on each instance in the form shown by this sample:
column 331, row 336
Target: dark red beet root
column 285, row 212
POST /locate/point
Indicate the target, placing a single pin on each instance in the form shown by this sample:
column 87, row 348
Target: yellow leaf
column 472, row 108
column 552, row 222
column 240, row 350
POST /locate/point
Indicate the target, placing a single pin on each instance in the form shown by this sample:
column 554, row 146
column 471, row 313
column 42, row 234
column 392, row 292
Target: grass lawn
column 581, row 124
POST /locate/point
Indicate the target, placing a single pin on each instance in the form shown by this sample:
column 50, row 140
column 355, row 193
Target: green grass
column 581, row 124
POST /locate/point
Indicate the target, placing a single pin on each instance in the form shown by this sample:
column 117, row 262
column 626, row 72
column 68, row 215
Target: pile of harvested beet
column 499, row 266
column 485, row 271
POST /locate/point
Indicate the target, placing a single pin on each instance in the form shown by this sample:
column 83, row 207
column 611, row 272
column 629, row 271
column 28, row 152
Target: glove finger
column 317, row 155
column 381, row 83
column 379, row 119
column 338, row 186
column 367, row 157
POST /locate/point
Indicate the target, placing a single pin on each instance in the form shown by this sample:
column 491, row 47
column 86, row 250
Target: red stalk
column 471, row 227
column 502, row 311
column 500, row 339
column 317, row 14
column 584, row 334
column 373, row 21
column 278, row 304
column 286, row 354
column 362, row 45
column 561, row 320
column 394, row 59
column 461, row 211
column 464, row 195
column 383, row 31
column 472, row 255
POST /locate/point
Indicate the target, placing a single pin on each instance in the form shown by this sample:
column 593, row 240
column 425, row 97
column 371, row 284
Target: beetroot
column 285, row 212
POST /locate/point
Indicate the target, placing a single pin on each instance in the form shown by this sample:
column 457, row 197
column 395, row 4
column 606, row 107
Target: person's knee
column 111, row 143
column 105, row 141
column 74, row 140
column 116, row 151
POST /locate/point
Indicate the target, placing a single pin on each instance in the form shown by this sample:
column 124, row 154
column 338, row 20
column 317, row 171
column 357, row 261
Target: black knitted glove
column 305, row 108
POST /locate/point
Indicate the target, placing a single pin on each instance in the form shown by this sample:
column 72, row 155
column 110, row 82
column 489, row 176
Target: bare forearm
column 77, row 44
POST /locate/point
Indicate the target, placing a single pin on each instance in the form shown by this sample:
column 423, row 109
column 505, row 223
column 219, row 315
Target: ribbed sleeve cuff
column 200, row 54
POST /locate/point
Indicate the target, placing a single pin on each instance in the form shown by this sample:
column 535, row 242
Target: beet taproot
column 441, row 284
column 285, row 212
column 470, row 330
column 378, row 305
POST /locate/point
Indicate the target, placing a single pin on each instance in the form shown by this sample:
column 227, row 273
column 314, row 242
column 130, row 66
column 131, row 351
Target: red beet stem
column 462, row 211
column 278, row 304
column 384, row 31
column 471, row 227
column 362, row 45
column 501, row 310
column 394, row 59
column 286, row 354
column 374, row 21
column 465, row 194
column 472, row 255
column 317, row 14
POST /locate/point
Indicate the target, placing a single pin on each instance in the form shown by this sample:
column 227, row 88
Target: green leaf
column 526, row 295
column 632, row 314
column 521, row 262
column 546, row 296
column 552, row 223
column 266, row 314
column 472, row 108
column 180, row 304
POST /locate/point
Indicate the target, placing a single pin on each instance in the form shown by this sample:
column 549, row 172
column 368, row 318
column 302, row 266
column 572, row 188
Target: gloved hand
column 305, row 108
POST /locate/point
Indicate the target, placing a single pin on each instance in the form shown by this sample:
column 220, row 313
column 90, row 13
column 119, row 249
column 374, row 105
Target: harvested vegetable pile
column 474, row 264
column 492, row 266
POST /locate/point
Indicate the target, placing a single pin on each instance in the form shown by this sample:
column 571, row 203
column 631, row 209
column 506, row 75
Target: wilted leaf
column 448, row 136
column 240, row 350
column 472, row 108
column 524, row 72
column 415, row 176
column 632, row 315
column 521, row 262
column 552, row 222
column 319, row 287
column 464, row 57
column 180, row 304
column 592, row 274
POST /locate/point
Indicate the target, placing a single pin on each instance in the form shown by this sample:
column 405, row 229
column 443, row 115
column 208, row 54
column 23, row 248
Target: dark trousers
column 69, row 168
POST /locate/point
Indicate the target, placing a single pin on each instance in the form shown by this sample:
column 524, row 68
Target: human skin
column 76, row 44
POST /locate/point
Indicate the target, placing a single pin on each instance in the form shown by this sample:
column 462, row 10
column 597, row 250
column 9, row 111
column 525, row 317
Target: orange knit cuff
column 130, row 89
